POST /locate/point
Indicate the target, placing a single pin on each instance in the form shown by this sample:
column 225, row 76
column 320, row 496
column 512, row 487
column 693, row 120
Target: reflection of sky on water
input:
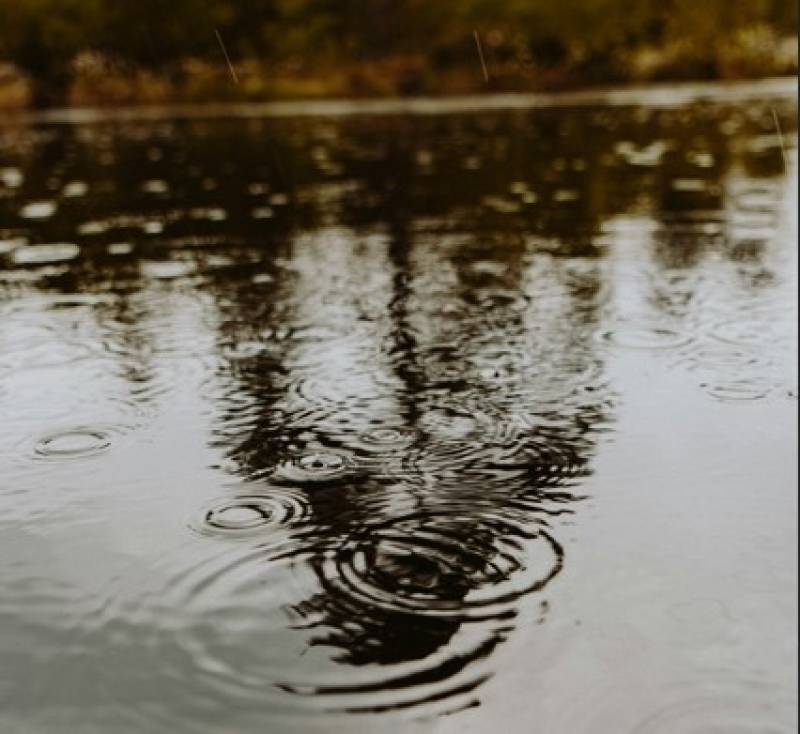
column 330, row 410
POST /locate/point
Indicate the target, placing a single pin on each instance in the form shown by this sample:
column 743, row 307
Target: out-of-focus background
column 101, row 52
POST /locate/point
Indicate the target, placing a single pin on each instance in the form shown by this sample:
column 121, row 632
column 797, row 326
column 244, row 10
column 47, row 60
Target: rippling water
column 386, row 421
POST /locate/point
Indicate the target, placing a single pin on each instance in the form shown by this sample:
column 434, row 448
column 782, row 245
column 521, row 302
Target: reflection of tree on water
column 497, row 439
column 434, row 533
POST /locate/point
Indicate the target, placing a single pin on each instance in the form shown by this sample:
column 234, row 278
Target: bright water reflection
column 314, row 422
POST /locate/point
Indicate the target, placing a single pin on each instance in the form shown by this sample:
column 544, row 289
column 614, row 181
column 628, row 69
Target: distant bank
column 98, row 82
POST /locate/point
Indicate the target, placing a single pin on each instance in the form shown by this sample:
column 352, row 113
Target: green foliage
column 43, row 36
column 589, row 39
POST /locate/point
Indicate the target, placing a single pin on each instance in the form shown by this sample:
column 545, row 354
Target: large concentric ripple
column 443, row 566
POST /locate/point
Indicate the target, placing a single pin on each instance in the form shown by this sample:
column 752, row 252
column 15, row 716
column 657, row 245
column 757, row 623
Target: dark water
column 395, row 422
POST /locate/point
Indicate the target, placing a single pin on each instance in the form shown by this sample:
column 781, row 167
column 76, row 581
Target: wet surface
column 397, row 422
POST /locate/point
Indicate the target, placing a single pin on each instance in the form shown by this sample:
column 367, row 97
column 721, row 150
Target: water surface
column 401, row 419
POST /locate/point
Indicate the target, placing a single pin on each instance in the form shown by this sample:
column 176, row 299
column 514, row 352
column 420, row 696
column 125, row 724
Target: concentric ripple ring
column 444, row 566
column 249, row 514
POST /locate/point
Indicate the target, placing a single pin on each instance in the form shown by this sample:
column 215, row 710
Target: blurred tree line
column 527, row 43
